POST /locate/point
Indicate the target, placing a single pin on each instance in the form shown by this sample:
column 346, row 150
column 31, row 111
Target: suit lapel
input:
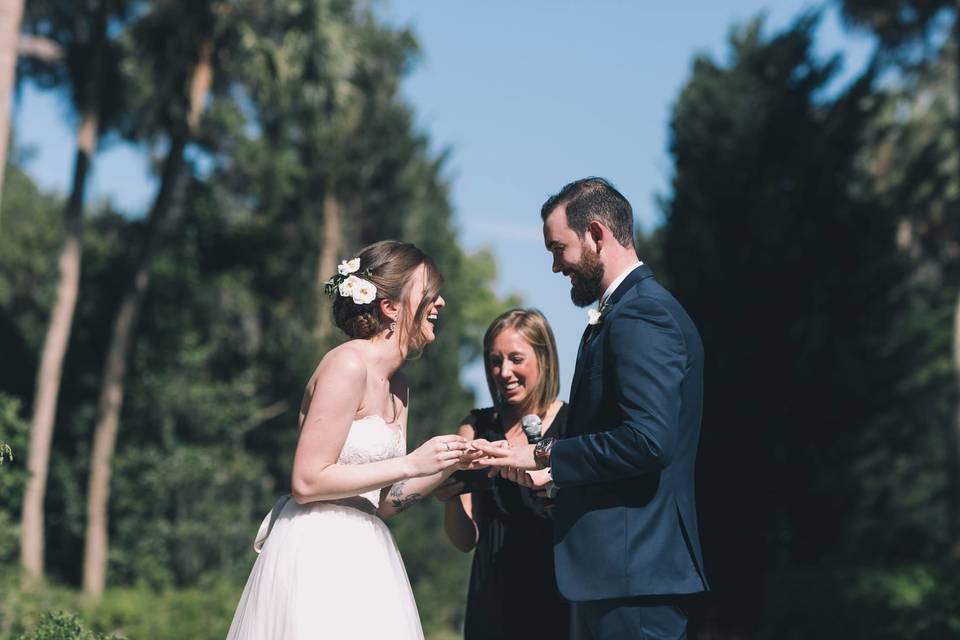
column 577, row 369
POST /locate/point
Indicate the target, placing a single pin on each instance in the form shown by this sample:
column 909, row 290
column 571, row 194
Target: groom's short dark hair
column 594, row 199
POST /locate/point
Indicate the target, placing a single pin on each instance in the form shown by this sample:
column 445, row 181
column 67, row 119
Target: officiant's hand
column 529, row 479
column 448, row 489
column 520, row 457
column 539, row 479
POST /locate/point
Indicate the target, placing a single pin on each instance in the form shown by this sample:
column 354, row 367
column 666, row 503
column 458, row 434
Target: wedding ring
column 447, row 445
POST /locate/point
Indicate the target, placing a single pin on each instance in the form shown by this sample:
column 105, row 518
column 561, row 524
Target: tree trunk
column 51, row 360
column 110, row 401
column 39, row 48
column 954, row 457
column 113, row 382
column 61, row 320
column 11, row 13
column 332, row 246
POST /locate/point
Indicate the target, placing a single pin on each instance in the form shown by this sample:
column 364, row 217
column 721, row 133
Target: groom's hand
column 468, row 459
column 473, row 455
column 496, row 455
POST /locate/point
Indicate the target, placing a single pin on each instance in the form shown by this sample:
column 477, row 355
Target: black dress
column 513, row 589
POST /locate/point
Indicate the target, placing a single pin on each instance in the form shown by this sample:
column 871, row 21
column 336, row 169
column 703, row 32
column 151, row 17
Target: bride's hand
column 436, row 454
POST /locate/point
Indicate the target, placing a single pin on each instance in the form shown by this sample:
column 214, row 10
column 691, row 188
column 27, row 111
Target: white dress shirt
column 616, row 283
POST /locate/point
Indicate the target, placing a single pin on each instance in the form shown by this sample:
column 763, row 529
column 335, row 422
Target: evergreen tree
column 782, row 249
column 924, row 176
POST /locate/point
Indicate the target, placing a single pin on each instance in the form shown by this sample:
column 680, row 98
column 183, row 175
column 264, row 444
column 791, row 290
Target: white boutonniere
column 595, row 316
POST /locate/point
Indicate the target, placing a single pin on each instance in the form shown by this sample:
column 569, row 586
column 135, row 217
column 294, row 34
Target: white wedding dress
column 331, row 569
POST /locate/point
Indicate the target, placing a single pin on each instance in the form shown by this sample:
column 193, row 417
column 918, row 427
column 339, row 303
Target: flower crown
column 350, row 286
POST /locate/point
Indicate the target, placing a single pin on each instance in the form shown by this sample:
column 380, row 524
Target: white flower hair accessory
column 362, row 291
column 347, row 267
column 344, row 283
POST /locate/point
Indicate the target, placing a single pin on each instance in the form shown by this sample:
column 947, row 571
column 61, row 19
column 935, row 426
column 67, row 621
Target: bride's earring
column 393, row 326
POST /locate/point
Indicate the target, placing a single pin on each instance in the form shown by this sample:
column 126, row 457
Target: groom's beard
column 585, row 287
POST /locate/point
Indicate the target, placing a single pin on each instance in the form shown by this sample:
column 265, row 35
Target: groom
column 627, row 549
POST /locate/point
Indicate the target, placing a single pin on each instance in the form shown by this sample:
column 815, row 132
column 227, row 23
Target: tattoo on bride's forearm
column 399, row 501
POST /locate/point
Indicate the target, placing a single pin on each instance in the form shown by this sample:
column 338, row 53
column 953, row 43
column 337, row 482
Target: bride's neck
column 387, row 357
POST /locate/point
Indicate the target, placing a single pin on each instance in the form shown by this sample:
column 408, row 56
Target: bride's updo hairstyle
column 390, row 266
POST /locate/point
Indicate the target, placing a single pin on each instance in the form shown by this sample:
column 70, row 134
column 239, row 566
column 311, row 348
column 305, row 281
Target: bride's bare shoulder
column 347, row 361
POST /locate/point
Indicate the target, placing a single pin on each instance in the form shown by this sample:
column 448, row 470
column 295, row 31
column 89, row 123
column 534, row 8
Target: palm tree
column 80, row 30
column 180, row 68
column 11, row 13
column 12, row 45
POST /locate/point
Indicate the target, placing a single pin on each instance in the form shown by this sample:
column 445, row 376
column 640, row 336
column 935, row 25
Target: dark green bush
column 62, row 626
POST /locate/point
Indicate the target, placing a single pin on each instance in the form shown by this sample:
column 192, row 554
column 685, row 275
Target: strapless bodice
column 371, row 439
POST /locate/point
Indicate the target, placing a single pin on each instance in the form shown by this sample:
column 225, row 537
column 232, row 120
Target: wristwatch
column 541, row 453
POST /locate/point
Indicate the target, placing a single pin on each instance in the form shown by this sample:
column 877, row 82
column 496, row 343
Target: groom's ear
column 595, row 231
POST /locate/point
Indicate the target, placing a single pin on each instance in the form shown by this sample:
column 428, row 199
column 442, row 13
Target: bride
column 328, row 566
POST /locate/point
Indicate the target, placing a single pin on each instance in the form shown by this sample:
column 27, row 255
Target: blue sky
column 527, row 96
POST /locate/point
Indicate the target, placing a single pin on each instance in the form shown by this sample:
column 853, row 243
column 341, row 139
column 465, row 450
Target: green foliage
column 166, row 504
column 827, row 368
column 887, row 603
column 13, row 475
column 88, row 73
column 305, row 103
column 918, row 601
column 32, row 234
column 62, row 626
column 898, row 23
column 202, row 611
column 804, row 232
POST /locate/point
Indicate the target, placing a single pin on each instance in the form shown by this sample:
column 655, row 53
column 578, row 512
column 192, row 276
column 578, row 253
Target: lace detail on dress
column 371, row 439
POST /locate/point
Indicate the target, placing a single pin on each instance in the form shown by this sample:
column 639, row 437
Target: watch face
column 541, row 453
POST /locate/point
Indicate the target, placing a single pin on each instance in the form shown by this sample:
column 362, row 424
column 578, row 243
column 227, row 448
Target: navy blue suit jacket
column 625, row 519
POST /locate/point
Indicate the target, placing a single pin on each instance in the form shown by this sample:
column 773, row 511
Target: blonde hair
column 391, row 266
column 535, row 330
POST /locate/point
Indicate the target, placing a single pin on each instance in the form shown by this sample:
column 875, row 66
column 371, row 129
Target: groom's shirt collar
column 616, row 283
